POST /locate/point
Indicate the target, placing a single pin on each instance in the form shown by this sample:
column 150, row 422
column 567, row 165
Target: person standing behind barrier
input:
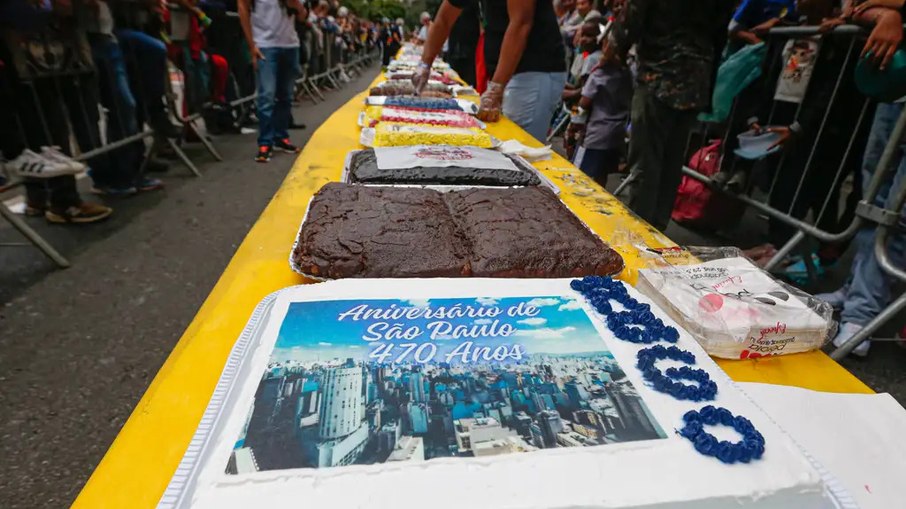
column 524, row 54
column 679, row 45
column 119, row 172
column 422, row 35
column 392, row 35
column 868, row 290
column 602, row 115
column 33, row 108
column 270, row 31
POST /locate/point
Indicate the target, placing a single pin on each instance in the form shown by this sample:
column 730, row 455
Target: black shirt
column 544, row 49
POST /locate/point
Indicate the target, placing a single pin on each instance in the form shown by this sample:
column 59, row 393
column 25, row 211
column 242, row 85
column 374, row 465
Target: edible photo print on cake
column 358, row 382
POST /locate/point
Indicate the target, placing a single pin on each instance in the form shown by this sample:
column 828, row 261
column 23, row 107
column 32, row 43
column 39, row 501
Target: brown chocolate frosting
column 361, row 231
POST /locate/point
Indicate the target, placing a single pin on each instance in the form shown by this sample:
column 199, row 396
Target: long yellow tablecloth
column 141, row 460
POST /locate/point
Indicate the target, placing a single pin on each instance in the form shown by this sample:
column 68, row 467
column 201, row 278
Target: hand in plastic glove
column 420, row 77
column 491, row 102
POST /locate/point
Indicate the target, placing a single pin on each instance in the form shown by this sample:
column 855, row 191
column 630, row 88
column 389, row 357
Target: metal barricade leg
column 314, row 87
column 625, row 183
column 182, row 156
column 863, row 335
column 785, row 251
column 33, row 237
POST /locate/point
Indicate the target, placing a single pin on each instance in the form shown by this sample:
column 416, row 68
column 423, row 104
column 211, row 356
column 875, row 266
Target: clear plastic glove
column 491, row 102
column 420, row 77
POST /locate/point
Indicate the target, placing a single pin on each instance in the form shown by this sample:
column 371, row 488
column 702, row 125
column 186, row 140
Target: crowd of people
column 62, row 59
column 633, row 77
column 646, row 70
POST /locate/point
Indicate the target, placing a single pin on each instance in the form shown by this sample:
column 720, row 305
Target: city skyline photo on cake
column 357, row 382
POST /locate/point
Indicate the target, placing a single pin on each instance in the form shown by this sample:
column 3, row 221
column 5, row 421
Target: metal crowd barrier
column 866, row 214
column 122, row 132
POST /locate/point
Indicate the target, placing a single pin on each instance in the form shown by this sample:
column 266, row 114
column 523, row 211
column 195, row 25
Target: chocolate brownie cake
column 363, row 168
column 527, row 232
column 359, row 231
column 362, row 231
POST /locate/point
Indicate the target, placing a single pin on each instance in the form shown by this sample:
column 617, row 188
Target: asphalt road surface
column 78, row 347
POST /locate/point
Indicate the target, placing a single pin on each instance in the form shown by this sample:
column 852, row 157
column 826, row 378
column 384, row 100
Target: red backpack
column 696, row 204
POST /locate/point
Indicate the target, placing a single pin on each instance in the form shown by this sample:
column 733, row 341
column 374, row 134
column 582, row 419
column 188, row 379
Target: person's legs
column 148, row 56
column 267, row 89
column 288, row 65
column 220, row 72
column 672, row 170
column 597, row 163
column 647, row 149
column 121, row 172
column 868, row 290
column 530, row 98
column 521, row 96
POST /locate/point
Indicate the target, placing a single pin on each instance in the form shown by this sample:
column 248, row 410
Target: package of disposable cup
column 735, row 309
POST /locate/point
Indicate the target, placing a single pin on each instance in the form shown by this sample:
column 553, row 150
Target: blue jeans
column 148, row 56
column 598, row 163
column 530, row 99
column 121, row 169
column 868, row 291
column 276, row 77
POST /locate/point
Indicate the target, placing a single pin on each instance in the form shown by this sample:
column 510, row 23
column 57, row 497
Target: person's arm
column 738, row 29
column 440, row 29
column 522, row 17
column 245, row 20
column 886, row 35
column 745, row 36
column 890, row 4
column 437, row 33
column 627, row 29
column 301, row 11
column 569, row 94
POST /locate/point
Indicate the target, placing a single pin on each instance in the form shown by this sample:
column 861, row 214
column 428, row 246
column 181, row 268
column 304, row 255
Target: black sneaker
column 286, row 146
column 264, row 154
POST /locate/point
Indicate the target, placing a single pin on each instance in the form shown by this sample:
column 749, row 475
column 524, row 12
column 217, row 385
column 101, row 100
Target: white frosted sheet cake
column 455, row 393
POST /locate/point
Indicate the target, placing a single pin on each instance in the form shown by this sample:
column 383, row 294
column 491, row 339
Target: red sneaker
column 264, row 154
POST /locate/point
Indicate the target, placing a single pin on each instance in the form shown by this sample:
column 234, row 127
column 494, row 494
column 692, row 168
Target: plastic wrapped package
column 735, row 309
column 451, row 118
column 390, row 134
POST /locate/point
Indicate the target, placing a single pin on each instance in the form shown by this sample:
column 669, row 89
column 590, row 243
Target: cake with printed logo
column 439, row 165
column 480, row 393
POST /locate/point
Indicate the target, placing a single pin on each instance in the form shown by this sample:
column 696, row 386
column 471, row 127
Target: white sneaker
column 32, row 165
column 53, row 153
column 836, row 298
column 848, row 330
